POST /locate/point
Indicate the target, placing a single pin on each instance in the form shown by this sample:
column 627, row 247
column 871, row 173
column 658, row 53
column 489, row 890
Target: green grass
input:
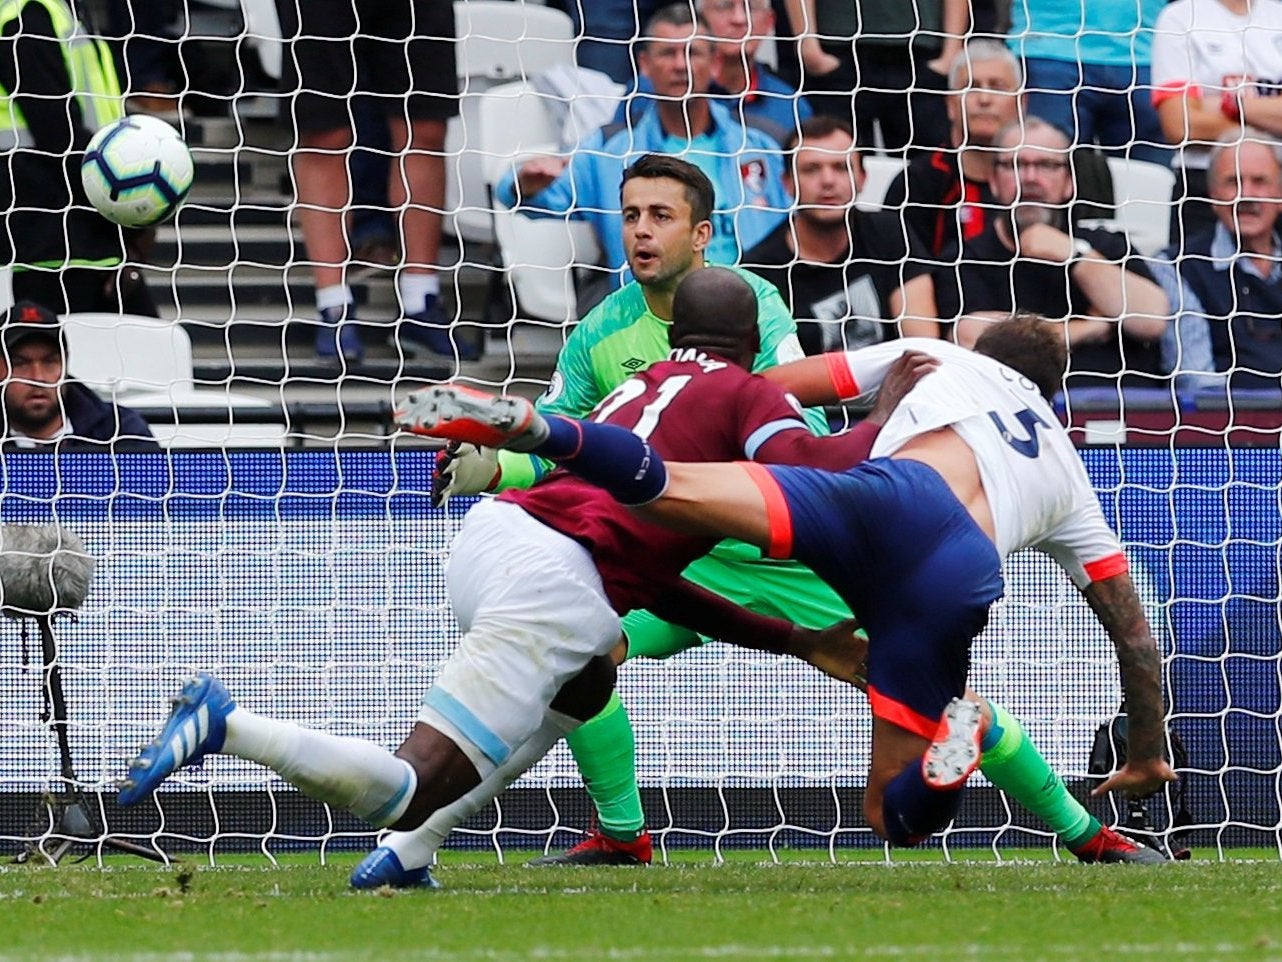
column 246, row 910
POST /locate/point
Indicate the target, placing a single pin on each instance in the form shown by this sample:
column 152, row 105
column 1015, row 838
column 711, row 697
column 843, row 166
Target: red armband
column 1107, row 567
column 843, row 379
column 1175, row 88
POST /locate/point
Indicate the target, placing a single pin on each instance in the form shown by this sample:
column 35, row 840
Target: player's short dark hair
column 714, row 308
column 698, row 188
column 1031, row 345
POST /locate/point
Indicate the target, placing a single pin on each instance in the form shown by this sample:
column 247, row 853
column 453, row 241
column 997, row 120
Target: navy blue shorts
column 891, row 538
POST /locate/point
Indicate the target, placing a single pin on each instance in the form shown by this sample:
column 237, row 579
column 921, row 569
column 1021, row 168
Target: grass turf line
column 747, row 908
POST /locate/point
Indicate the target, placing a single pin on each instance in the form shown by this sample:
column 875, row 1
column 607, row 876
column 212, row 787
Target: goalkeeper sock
column 609, row 457
column 417, row 849
column 605, row 749
column 1012, row 762
column 348, row 773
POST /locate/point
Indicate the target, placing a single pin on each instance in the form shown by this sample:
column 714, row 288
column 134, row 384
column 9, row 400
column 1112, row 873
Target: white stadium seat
column 144, row 362
column 499, row 41
column 538, row 254
column 1142, row 197
column 879, row 173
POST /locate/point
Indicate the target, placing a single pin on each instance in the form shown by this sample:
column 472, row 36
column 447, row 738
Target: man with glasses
column 1225, row 284
column 944, row 195
column 1029, row 259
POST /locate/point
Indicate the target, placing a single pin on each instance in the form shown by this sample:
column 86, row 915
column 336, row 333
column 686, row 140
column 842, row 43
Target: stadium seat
column 538, row 255
column 879, row 173
column 262, row 34
column 498, row 42
column 1142, row 197
column 146, row 364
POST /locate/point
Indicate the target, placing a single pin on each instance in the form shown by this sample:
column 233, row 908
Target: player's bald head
column 715, row 308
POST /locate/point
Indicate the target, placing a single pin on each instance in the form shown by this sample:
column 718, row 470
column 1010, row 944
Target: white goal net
column 284, row 538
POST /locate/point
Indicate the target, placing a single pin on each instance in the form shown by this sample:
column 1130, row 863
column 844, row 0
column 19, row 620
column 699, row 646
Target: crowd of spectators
column 1003, row 141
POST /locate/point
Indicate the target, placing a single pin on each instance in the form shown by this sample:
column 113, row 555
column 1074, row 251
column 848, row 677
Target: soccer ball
column 137, row 171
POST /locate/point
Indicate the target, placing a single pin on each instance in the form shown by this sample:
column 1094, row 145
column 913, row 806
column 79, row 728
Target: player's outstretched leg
column 197, row 725
column 954, row 753
column 1012, row 762
column 404, row 859
column 349, row 773
column 608, row 456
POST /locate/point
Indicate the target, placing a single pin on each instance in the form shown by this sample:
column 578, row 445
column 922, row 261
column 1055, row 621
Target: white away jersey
column 1036, row 484
column 1205, row 44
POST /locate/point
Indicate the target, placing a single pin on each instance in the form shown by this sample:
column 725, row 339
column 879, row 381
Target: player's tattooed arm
column 1118, row 608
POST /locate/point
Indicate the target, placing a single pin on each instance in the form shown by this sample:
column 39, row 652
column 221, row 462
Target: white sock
column 415, row 289
column 349, row 773
column 336, row 295
column 417, row 849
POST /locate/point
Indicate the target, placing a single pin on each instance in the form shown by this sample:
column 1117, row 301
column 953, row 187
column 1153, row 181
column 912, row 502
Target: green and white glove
column 464, row 469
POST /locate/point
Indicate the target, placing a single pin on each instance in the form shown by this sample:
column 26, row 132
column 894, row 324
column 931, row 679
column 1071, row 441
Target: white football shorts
column 533, row 612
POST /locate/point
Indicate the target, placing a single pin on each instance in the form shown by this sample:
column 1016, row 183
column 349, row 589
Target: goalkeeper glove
column 464, row 469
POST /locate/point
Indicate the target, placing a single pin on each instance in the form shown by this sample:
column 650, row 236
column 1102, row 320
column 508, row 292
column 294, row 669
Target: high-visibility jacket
column 48, row 222
column 90, row 66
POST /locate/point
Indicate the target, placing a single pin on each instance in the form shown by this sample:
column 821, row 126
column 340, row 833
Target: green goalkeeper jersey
column 620, row 337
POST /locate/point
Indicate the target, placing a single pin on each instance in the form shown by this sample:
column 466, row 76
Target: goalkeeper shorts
column 533, row 612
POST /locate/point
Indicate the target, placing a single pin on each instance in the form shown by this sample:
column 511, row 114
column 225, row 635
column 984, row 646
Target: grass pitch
column 245, row 910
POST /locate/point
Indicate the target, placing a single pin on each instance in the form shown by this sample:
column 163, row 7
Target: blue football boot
column 383, row 867
column 197, row 725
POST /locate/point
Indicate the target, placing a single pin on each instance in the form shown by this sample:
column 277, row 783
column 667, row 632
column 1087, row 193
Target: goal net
column 284, row 538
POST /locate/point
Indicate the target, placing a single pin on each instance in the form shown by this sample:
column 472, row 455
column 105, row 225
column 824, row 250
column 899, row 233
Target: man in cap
column 42, row 406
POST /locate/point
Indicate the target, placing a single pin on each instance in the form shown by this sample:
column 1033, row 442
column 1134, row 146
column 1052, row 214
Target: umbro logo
column 635, row 364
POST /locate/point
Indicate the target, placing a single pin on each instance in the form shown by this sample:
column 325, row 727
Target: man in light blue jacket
column 744, row 164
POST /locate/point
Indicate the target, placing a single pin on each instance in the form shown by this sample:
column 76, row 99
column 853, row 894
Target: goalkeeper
column 624, row 334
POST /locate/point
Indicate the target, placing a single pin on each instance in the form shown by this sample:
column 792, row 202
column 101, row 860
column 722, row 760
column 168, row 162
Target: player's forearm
column 1118, row 608
column 1141, row 668
column 835, row 453
column 813, row 381
column 713, row 616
